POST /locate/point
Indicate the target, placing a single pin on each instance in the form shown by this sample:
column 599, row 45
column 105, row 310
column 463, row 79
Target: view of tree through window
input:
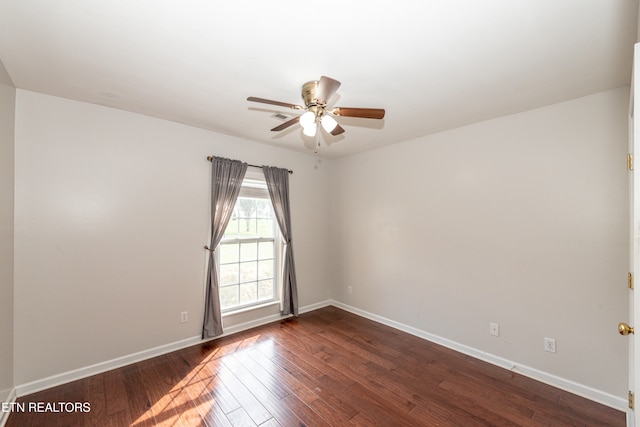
column 247, row 255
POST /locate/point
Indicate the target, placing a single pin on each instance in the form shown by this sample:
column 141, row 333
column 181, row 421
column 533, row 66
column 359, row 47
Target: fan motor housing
column 309, row 90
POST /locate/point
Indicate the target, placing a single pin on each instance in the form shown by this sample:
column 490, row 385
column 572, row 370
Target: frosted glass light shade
column 310, row 130
column 328, row 123
column 308, row 119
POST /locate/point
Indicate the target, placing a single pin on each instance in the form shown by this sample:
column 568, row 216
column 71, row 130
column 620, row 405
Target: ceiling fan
column 315, row 95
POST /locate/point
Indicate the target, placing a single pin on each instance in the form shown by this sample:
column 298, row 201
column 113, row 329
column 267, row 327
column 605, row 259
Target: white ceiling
column 433, row 65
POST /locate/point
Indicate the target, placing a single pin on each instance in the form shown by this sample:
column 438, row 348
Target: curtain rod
column 253, row 166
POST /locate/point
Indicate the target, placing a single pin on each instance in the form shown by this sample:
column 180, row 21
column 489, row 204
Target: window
column 249, row 253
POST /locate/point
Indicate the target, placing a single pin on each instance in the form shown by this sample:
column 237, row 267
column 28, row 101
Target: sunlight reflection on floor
column 197, row 395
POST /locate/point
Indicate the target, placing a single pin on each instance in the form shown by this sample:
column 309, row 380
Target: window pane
column 248, row 271
column 265, row 289
column 228, row 274
column 265, row 227
column 247, row 213
column 246, row 207
column 264, row 208
column 248, row 293
column 248, row 267
column 229, row 296
column 232, row 229
column 247, row 227
column 265, row 269
column 266, row 250
column 248, row 251
column 229, row 253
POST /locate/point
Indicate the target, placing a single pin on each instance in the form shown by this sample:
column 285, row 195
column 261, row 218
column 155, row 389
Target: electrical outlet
column 494, row 329
column 349, row 290
column 184, row 317
column 550, row 345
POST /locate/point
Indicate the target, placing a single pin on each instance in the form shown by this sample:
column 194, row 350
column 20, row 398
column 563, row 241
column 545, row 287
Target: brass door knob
column 624, row 329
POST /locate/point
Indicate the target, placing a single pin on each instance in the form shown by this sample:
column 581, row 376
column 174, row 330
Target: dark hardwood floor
column 327, row 367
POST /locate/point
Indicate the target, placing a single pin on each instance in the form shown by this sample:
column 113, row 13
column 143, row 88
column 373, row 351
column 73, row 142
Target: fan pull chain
column 315, row 149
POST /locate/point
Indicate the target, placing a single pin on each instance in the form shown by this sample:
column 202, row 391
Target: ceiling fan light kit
column 310, row 130
column 315, row 95
column 307, row 119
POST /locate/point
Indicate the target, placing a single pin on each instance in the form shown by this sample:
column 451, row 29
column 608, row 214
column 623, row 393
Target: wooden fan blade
column 286, row 124
column 337, row 130
column 268, row 101
column 365, row 113
column 326, row 88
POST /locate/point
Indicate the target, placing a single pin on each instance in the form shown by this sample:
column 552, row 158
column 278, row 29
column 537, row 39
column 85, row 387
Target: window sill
column 250, row 308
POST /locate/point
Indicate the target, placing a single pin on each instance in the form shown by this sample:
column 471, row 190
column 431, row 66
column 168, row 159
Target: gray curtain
column 226, row 181
column 278, row 184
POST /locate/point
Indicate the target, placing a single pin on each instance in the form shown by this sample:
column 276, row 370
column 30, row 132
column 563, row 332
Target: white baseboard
column 315, row 306
column 544, row 377
column 4, row 416
column 98, row 368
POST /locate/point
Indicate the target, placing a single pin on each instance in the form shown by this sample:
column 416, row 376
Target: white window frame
column 254, row 186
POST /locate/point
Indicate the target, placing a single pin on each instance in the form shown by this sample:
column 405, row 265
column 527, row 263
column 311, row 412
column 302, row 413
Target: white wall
column 7, row 115
column 520, row 220
column 111, row 219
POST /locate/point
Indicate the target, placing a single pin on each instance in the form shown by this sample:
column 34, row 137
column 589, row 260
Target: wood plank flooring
column 325, row 368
